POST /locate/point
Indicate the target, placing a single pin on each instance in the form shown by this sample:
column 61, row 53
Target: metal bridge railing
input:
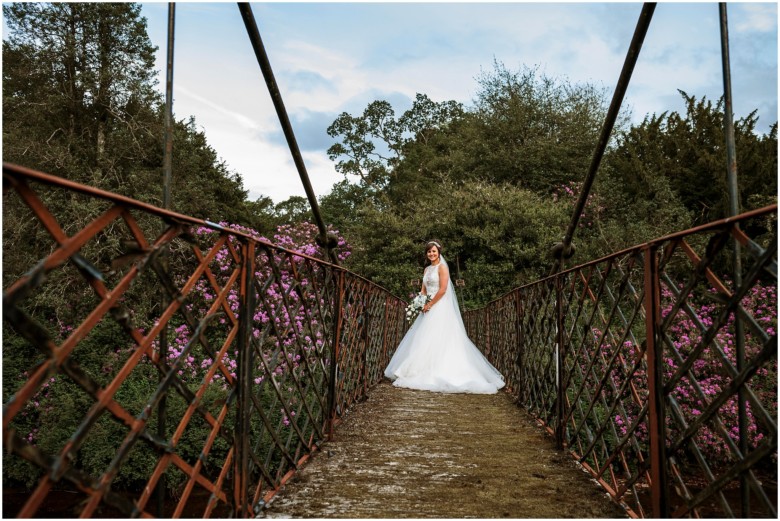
column 636, row 365
column 222, row 391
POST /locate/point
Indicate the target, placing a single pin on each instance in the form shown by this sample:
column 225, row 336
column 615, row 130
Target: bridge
column 244, row 368
column 409, row 453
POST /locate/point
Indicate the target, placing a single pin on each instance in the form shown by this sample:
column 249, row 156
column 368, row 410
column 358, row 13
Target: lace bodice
column 431, row 280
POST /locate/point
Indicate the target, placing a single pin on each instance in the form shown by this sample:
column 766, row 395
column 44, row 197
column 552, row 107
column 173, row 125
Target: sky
column 330, row 58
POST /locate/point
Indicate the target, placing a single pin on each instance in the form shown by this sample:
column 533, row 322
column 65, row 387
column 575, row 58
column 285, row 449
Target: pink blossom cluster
column 709, row 368
column 708, row 377
column 286, row 322
column 41, row 402
column 570, row 193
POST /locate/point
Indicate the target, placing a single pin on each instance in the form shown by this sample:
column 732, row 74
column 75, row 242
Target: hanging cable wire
column 564, row 249
column 328, row 241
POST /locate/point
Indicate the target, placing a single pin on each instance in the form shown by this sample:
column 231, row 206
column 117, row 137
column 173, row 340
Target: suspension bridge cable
column 731, row 172
column 162, row 406
column 325, row 240
column 564, row 250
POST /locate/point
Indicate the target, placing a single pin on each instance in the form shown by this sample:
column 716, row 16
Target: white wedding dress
column 436, row 353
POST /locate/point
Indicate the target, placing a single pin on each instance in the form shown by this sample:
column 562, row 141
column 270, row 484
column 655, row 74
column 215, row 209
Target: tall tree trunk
column 70, row 71
column 102, row 97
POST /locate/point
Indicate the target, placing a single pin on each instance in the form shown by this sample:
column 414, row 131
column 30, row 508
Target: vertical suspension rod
column 335, row 352
column 659, row 479
column 276, row 97
column 168, row 151
column 162, row 408
column 728, row 121
column 606, row 130
column 731, row 172
column 241, row 459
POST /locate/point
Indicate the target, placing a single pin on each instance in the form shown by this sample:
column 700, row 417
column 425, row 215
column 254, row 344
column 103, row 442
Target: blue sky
column 334, row 57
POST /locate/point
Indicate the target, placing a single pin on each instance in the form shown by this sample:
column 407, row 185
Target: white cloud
column 339, row 69
column 756, row 17
column 322, row 174
column 215, row 111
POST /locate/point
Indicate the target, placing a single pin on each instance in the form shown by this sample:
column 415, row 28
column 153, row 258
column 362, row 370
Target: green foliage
column 532, row 130
column 506, row 235
column 294, row 209
column 372, row 146
column 497, row 235
column 92, row 68
column 341, row 206
column 79, row 101
column 481, row 180
column 56, row 412
column 261, row 215
column 202, row 185
column 680, row 161
column 498, row 183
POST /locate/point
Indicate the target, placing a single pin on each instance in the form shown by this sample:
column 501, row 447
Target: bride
column 436, row 353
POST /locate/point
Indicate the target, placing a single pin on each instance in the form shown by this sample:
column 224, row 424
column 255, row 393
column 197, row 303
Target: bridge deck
column 406, row 453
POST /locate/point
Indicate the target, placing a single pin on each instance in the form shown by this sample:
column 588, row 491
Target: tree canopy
column 497, row 181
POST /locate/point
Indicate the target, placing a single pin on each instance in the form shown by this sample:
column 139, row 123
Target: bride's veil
column 451, row 296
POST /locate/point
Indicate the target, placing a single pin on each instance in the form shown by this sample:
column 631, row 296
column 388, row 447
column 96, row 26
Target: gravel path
column 417, row 454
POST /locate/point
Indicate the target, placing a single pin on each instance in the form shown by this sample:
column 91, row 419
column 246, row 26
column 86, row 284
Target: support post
column 383, row 361
column 655, row 414
column 560, row 410
column 162, row 413
column 731, row 171
column 365, row 340
column 244, row 387
column 520, row 347
column 487, row 334
column 335, row 353
column 168, row 151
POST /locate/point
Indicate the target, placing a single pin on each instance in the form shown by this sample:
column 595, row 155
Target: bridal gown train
column 436, row 353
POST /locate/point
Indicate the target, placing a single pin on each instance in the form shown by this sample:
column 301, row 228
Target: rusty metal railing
column 267, row 349
column 630, row 362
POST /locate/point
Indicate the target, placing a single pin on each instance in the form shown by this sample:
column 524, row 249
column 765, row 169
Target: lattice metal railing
column 654, row 370
column 160, row 352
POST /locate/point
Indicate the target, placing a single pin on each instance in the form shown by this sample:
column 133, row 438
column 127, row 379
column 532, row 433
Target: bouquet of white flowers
column 415, row 307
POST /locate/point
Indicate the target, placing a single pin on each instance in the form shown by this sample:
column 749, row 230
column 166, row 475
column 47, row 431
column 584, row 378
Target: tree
column 261, row 215
column 480, row 179
column 497, row 182
column 372, row 145
column 683, row 157
column 294, row 209
column 79, row 102
column 202, row 184
column 499, row 235
column 532, row 130
column 90, row 85
column 341, row 206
